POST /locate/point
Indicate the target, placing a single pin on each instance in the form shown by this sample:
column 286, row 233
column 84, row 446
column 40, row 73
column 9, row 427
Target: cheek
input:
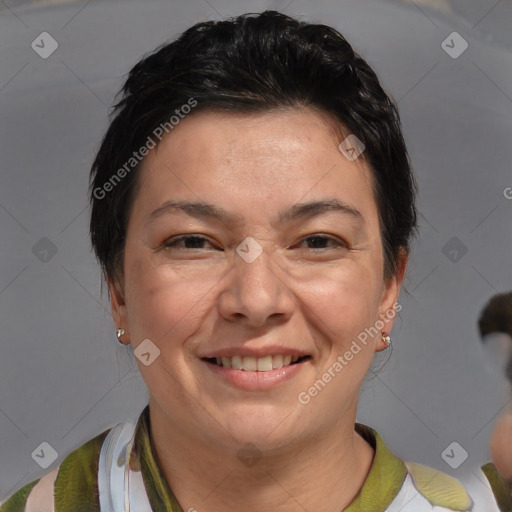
column 170, row 301
column 166, row 302
column 344, row 300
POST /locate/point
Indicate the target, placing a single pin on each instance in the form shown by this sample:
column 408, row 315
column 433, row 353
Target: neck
column 325, row 474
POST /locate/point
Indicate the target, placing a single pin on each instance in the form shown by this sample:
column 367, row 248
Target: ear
column 389, row 306
column 118, row 308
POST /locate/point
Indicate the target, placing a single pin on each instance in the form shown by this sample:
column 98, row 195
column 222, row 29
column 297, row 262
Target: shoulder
column 425, row 489
column 439, row 489
column 412, row 487
column 74, row 480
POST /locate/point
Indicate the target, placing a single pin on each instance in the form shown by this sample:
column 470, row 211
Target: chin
column 267, row 426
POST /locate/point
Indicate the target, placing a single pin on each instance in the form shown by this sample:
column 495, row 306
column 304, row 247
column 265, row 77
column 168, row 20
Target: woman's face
column 497, row 347
column 270, row 268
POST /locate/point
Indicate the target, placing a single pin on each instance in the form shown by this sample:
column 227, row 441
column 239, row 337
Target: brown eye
column 321, row 241
column 187, row 242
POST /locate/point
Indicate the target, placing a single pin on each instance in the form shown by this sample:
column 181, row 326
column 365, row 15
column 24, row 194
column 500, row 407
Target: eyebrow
column 200, row 209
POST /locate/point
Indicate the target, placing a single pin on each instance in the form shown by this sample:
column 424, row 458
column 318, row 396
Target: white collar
column 120, row 488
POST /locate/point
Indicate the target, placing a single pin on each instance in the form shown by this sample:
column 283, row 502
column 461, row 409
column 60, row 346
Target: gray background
column 64, row 380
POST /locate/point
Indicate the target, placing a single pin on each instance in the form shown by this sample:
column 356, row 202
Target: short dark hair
column 496, row 315
column 252, row 63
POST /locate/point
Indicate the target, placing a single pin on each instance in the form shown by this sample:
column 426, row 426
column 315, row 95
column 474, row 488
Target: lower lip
column 256, row 381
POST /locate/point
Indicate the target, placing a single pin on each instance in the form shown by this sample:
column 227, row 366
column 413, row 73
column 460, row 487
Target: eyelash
column 172, row 243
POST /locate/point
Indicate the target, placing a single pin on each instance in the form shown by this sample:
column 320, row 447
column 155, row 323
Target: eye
column 320, row 241
column 197, row 242
column 187, row 242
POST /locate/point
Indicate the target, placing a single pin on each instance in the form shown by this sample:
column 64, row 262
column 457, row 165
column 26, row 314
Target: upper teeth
column 261, row 364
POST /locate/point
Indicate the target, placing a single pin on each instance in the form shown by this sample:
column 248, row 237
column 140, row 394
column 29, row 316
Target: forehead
column 255, row 161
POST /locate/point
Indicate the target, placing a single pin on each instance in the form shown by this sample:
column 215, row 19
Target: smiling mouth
column 256, row 364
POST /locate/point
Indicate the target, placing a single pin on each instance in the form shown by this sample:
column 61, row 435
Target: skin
column 501, row 445
column 498, row 350
column 310, row 296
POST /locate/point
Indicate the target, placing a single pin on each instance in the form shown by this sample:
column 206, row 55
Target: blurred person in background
column 495, row 327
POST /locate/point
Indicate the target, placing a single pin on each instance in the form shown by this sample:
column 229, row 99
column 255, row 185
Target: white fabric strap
column 120, row 488
column 40, row 498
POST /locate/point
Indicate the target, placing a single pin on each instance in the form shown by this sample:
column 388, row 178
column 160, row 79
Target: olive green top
column 75, row 481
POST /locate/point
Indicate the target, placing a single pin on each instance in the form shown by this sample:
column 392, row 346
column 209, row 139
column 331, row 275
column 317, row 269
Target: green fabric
column 160, row 495
column 438, row 488
column 385, row 479
column 76, row 486
column 16, row 503
column 501, row 491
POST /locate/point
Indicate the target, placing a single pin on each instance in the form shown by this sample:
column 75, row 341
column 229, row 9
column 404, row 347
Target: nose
column 256, row 293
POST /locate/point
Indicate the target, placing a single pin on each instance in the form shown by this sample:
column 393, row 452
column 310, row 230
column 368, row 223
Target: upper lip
column 271, row 350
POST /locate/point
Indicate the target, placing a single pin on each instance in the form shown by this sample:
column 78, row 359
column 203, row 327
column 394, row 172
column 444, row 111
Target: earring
column 119, row 333
column 386, row 338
